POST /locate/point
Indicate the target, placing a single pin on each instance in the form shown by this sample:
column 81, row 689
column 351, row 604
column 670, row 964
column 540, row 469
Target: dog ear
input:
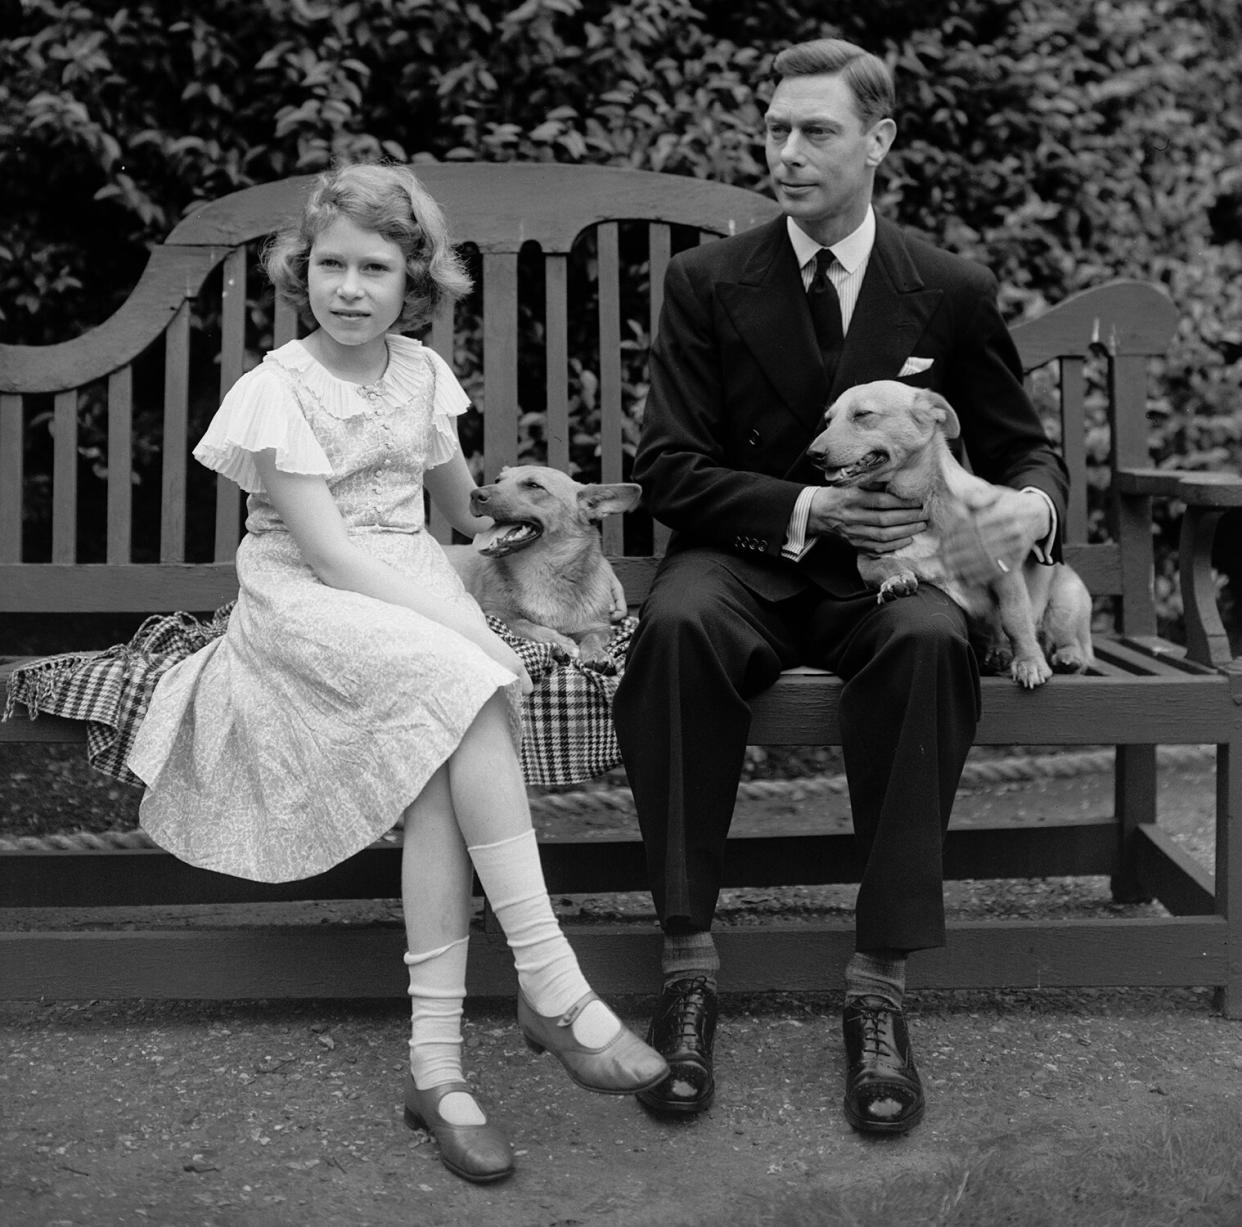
column 598, row 500
column 939, row 409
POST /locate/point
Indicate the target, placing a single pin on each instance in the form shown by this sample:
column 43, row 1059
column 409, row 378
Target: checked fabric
column 568, row 735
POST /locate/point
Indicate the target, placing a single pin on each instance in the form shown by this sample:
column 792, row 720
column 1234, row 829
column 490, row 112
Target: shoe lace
column 689, row 1008
column 874, row 1034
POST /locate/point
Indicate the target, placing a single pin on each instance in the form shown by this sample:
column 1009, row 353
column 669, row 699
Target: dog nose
column 478, row 498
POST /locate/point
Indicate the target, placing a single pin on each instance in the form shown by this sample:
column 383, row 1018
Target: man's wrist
column 1045, row 541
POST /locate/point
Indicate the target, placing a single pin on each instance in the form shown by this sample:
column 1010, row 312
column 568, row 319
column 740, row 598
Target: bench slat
column 232, row 361
column 12, row 476
column 120, row 464
column 128, row 877
column 176, row 412
column 356, row 962
column 610, row 397
column 556, row 359
column 65, row 477
column 500, row 387
column 1074, row 444
column 285, row 324
column 99, row 588
column 1123, row 317
column 1155, row 709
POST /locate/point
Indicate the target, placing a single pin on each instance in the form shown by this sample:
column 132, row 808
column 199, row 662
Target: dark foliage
column 1060, row 142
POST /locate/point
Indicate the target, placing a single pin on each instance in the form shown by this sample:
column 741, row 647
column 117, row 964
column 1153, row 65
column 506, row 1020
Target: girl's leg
column 489, row 799
column 435, row 896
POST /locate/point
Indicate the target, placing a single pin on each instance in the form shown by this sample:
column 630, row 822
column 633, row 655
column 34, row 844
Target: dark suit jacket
column 738, row 392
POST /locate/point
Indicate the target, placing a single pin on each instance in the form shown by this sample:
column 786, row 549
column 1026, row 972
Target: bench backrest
column 552, row 346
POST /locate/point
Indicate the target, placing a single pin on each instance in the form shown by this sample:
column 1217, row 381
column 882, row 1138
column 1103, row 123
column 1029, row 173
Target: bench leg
column 1229, row 871
column 1134, row 801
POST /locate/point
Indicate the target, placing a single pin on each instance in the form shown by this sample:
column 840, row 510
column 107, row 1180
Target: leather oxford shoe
column 883, row 1093
column 682, row 1032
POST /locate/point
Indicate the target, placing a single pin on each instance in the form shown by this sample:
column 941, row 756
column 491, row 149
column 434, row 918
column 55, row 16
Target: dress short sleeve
column 260, row 412
column 449, row 402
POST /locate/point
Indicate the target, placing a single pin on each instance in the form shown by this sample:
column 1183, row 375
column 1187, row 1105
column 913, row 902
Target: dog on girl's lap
column 890, row 436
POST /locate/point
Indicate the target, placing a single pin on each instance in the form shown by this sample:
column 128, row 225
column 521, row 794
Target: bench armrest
column 1201, row 489
column 1207, row 496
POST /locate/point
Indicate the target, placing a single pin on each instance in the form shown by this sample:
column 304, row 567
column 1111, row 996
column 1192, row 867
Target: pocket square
column 915, row 366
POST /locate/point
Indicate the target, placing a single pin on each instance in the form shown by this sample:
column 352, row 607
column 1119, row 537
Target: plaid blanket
column 569, row 735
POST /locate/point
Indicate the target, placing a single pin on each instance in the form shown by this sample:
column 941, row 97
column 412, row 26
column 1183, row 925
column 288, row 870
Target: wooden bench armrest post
column 1208, row 496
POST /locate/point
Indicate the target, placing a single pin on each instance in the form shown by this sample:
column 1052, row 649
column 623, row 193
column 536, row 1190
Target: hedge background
column 1060, row 142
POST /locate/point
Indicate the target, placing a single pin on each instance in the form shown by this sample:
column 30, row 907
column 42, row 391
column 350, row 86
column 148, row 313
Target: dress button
column 752, row 439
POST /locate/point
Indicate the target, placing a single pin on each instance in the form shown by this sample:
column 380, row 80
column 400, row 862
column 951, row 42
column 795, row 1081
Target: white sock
column 437, row 991
column 547, row 969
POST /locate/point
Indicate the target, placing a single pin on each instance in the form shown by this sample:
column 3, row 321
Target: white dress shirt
column 852, row 255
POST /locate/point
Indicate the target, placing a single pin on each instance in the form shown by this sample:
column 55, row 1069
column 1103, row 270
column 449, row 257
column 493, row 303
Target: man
column 759, row 334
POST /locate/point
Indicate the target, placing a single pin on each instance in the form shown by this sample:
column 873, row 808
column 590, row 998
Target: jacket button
column 752, row 439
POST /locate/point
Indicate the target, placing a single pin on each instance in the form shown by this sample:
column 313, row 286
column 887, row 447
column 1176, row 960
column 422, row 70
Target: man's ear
column 880, row 140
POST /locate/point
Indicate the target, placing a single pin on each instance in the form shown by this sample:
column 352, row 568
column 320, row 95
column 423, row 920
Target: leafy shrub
column 1060, row 142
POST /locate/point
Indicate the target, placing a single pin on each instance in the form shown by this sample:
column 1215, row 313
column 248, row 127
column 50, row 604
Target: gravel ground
column 287, row 1114
column 267, row 1114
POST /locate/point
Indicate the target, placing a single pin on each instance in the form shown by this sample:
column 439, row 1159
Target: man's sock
column 877, row 973
column 688, row 955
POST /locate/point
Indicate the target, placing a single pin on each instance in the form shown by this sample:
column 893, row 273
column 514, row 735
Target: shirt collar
column 852, row 251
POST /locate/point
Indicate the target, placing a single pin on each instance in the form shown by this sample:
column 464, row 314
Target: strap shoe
column 883, row 1093
column 622, row 1066
column 683, row 1031
column 480, row 1153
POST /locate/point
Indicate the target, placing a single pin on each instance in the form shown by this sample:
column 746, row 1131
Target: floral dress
column 300, row 735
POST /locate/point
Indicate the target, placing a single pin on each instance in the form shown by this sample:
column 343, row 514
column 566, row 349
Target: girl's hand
column 503, row 655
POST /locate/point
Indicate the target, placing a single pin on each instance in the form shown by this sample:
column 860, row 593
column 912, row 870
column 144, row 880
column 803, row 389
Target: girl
column 357, row 680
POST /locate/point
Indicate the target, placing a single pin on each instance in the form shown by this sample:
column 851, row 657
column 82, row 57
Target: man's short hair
column 867, row 75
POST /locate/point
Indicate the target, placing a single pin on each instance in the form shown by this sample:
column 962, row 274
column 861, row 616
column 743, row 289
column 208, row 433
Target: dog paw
column 998, row 660
column 1068, row 660
column 599, row 662
column 897, row 586
column 1030, row 673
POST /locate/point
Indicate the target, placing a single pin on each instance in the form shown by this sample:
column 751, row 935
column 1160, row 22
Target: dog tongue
column 501, row 539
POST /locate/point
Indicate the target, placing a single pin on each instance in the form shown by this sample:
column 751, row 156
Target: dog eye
column 863, row 413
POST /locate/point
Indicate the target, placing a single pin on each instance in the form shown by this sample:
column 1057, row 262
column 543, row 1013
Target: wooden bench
column 570, row 263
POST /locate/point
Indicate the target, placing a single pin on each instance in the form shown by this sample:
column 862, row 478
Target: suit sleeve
column 690, row 480
column 1004, row 439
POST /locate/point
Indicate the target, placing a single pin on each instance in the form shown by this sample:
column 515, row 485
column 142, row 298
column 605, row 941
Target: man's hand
column 872, row 521
column 1000, row 529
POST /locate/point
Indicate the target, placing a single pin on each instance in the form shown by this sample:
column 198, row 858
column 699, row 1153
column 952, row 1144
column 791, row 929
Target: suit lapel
column 891, row 314
column 768, row 308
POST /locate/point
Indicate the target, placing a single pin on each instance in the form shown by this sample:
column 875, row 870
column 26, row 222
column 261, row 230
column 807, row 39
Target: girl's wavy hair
column 390, row 201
